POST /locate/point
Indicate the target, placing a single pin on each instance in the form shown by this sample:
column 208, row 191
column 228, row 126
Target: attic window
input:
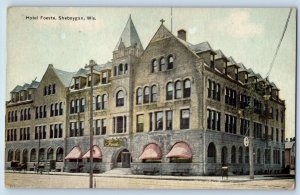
column 154, row 66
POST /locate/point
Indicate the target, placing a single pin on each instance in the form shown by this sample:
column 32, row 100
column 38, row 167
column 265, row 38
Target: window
column 45, row 90
column 187, row 88
column 120, row 67
column 277, row 135
column 162, row 64
column 104, row 101
column 82, row 104
column 56, row 109
column 101, row 127
column 209, row 89
column 158, row 121
column 139, row 98
column 29, row 114
column 154, row 66
column 41, row 112
column 154, row 93
column 45, row 111
column 60, row 131
column 140, row 123
column 224, row 156
column 244, row 126
column 146, row 94
column 53, row 89
column 185, row 119
column 178, row 90
column 42, row 155
column 50, row 154
column 60, row 108
column 120, row 98
column 21, row 115
column 59, row 155
column 125, row 68
column 211, row 153
column 218, row 94
column 119, row 124
column 77, row 83
column 170, row 62
column 25, row 114
column 72, row 110
column 10, row 155
column 51, row 131
column 169, row 91
column 104, row 78
column 49, row 90
column 98, row 102
column 33, row 155
column 169, row 120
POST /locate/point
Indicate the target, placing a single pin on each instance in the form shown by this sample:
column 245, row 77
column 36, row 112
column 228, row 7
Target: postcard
column 150, row 98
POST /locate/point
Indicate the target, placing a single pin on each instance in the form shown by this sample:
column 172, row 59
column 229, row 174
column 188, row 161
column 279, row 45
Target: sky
column 250, row 36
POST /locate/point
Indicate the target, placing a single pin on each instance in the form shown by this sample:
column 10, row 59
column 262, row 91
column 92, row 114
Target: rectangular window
column 169, row 120
column 151, row 121
column 104, row 125
column 104, row 78
column 98, row 127
column 120, row 124
column 277, row 135
column 140, row 123
column 158, row 121
column 185, row 119
column 77, row 83
column 218, row 121
column 208, row 113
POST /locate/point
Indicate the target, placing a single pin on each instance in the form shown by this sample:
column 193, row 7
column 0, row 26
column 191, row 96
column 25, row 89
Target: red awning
column 180, row 150
column 96, row 153
column 151, row 152
column 74, row 154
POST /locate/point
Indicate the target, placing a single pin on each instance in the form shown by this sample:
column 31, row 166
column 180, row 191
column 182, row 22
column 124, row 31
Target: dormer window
column 236, row 74
column 77, row 83
column 104, row 78
column 13, row 97
column 22, row 95
column 212, row 61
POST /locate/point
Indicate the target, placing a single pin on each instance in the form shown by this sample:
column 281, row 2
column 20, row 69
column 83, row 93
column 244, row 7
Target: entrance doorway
column 123, row 159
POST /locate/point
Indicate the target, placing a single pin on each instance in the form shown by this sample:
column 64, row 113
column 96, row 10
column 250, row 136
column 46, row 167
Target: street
column 30, row 180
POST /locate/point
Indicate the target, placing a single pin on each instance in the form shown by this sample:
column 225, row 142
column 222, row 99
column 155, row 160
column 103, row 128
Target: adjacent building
column 171, row 108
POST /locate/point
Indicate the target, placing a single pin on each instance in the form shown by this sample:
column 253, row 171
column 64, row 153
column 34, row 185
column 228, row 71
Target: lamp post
column 91, row 66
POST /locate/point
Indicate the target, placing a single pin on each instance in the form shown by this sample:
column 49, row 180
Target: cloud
column 237, row 24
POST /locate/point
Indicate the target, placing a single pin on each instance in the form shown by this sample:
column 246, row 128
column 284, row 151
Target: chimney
column 181, row 34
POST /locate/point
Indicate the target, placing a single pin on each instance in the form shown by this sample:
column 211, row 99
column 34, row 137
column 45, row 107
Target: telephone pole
column 91, row 66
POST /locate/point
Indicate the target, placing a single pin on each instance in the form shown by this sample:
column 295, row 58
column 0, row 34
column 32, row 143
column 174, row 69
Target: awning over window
column 97, row 154
column 151, row 152
column 180, row 150
column 74, row 154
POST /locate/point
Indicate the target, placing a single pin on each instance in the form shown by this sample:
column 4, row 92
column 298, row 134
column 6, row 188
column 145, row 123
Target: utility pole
column 91, row 66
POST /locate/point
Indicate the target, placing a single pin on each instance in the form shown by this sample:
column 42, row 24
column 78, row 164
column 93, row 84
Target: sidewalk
column 235, row 178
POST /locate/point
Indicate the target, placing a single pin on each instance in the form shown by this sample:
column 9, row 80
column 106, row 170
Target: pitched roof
column 201, row 47
column 81, row 72
column 64, row 76
column 34, row 85
column 25, row 87
column 105, row 66
column 220, row 55
column 129, row 36
column 18, row 88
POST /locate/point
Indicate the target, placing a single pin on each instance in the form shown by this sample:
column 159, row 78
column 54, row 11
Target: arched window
column 104, row 101
column 25, row 156
column 233, row 154
column 41, row 112
column 51, row 131
column 53, row 88
column 146, row 94
column 21, row 118
column 162, row 64
column 154, row 66
column 139, row 96
column 49, row 90
column 52, row 109
column 10, row 155
column 55, row 130
column 120, row 69
column 42, row 154
column 59, row 154
column 25, row 114
column 82, row 104
column 178, row 90
column 224, row 156
column 125, row 68
column 33, row 155
column 240, row 155
column 61, row 109
column 56, row 109
column 98, row 102
column 169, row 91
column 211, row 153
column 258, row 156
column 154, row 93
column 170, row 62
column 120, row 98
column 45, row 111
column 17, row 155
column 45, row 90
column 29, row 114
column 187, row 88
column 50, row 154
